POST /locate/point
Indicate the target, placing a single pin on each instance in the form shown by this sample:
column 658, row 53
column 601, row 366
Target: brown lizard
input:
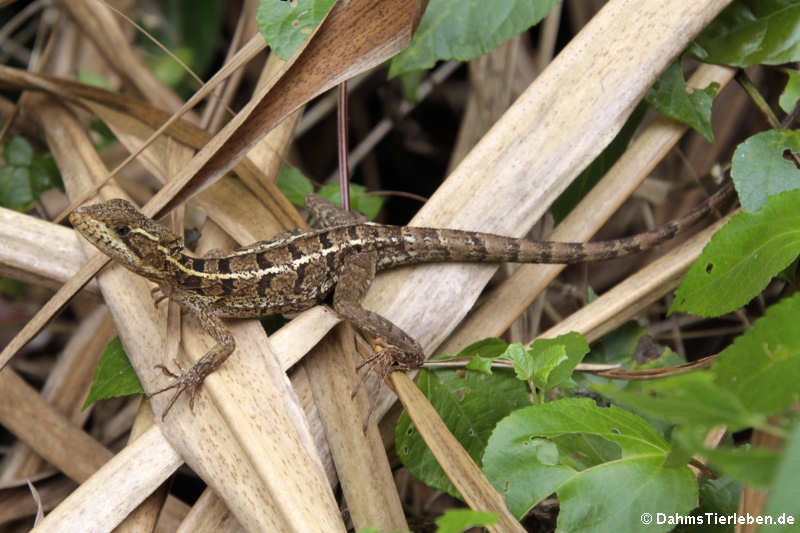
column 299, row 270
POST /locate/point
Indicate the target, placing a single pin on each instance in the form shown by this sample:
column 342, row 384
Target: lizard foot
column 383, row 362
column 188, row 380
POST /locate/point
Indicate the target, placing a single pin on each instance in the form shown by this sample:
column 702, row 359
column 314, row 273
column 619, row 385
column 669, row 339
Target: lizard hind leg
column 329, row 215
column 399, row 352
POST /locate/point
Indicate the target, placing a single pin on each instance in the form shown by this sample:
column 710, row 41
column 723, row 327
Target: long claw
column 383, row 362
column 185, row 381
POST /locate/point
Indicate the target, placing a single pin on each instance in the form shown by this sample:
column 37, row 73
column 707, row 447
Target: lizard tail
column 435, row 245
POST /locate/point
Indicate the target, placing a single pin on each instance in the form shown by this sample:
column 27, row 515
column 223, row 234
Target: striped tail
column 428, row 245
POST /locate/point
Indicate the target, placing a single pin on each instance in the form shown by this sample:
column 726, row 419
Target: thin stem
column 341, row 133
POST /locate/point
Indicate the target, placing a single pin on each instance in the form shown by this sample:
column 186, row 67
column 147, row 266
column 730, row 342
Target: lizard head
column 118, row 230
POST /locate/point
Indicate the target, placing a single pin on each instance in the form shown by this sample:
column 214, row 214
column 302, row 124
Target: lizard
column 300, row 269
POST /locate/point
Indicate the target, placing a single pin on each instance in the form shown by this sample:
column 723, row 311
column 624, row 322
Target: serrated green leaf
column 545, row 361
column 480, row 364
column 524, row 366
column 588, row 504
column 575, row 347
column 490, row 347
column 294, row 185
column 114, row 375
column 759, row 169
column 513, row 463
column 470, row 403
column 465, row 29
column 671, row 97
column 368, row 205
column 751, row 32
column 686, row 399
column 783, row 498
column 762, row 366
column 286, row 25
column 742, row 257
column 457, row 520
column 791, row 92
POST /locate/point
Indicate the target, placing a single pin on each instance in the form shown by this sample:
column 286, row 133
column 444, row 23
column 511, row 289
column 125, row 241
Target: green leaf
column 686, row 399
column 783, row 500
column 719, row 497
column 762, row 366
column 169, row 71
column 18, row 152
column 587, row 179
column 94, row 79
column 368, row 205
column 480, row 364
column 671, row 97
column 12, row 289
column 544, row 362
column 44, row 174
column 751, row 32
column 524, row 365
column 490, row 347
column 575, row 347
column 294, row 185
column 287, row 25
column 742, row 257
column 114, row 375
column 25, row 175
column 759, row 168
column 465, row 29
column 520, row 463
column 618, row 346
column 457, row 520
column 15, row 188
column 411, row 81
column 791, row 93
column 470, row 403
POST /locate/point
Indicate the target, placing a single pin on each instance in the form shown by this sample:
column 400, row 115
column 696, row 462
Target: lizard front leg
column 191, row 379
column 358, row 271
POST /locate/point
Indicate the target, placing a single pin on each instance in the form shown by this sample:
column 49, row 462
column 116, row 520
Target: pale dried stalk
column 137, row 470
column 361, row 463
column 145, row 516
column 502, row 305
column 31, row 419
column 65, row 388
column 37, row 251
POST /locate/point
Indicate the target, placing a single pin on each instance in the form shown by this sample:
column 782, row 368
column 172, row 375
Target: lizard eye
column 122, row 231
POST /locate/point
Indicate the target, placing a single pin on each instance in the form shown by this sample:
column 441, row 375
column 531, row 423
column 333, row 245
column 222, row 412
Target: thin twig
column 341, row 135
